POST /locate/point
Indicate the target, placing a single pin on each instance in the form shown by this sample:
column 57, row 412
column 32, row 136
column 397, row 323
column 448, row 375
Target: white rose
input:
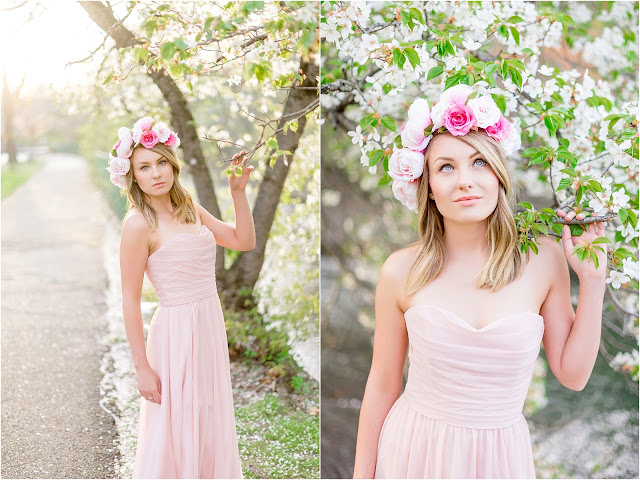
column 124, row 134
column 118, row 165
column 513, row 142
column 413, row 136
column 162, row 130
column 419, row 111
column 406, row 193
column 485, row 110
column 135, row 134
column 406, row 165
column 124, row 149
column 437, row 114
column 118, row 180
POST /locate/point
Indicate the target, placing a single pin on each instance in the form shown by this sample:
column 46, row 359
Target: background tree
column 175, row 47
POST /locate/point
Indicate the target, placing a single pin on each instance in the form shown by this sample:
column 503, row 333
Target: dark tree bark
column 246, row 268
column 9, row 100
column 182, row 119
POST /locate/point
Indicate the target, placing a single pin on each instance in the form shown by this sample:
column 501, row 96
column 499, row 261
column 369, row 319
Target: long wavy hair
column 183, row 208
column 506, row 262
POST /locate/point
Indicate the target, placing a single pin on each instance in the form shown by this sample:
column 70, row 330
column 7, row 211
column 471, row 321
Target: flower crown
column 145, row 132
column 459, row 110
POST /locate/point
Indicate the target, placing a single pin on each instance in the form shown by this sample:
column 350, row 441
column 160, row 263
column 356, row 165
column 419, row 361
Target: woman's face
column 152, row 171
column 462, row 183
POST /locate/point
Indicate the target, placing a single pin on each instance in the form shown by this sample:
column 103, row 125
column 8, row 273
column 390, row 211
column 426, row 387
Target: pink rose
column 501, row 130
column 406, row 165
column 149, row 139
column 119, row 165
column 459, row 119
column 144, row 123
column 118, row 180
column 171, row 141
column 406, row 193
column 412, row 136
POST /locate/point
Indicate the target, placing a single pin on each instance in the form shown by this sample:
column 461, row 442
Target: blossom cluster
column 626, row 361
column 459, row 111
column 145, row 132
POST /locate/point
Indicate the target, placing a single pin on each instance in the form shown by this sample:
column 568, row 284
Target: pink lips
column 159, row 184
column 468, row 201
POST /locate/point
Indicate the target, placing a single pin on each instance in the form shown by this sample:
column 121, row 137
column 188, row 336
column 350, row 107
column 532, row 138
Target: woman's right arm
column 134, row 251
column 384, row 384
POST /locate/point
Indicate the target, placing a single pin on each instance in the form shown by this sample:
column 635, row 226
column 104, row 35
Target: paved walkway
column 53, row 307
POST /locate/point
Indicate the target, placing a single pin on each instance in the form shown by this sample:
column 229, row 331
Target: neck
column 161, row 203
column 466, row 242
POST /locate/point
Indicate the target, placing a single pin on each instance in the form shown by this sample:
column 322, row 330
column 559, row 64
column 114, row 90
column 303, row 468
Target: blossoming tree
column 572, row 135
column 181, row 48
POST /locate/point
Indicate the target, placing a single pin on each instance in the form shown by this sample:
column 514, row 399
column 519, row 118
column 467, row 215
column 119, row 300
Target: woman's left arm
column 242, row 235
column 572, row 340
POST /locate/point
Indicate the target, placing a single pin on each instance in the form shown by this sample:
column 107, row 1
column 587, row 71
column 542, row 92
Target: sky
column 59, row 33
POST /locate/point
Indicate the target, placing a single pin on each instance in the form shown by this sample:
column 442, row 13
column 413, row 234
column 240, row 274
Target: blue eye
column 442, row 168
column 484, row 162
column 142, row 168
column 163, row 162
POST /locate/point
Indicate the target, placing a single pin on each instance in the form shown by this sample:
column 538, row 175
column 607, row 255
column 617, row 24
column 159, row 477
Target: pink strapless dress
column 460, row 415
column 192, row 432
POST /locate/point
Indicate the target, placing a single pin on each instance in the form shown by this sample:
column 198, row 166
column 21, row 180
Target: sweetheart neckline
column 176, row 235
column 468, row 325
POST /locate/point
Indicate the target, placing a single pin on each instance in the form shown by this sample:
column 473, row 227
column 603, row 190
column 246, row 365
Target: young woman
column 187, row 424
column 470, row 309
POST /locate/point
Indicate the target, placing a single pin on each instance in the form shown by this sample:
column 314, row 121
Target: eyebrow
column 147, row 163
column 453, row 159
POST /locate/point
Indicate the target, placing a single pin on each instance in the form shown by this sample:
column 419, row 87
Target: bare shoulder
column 550, row 260
column 397, row 266
column 135, row 225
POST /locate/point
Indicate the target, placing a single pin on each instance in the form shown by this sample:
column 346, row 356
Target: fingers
column 567, row 242
column 238, row 157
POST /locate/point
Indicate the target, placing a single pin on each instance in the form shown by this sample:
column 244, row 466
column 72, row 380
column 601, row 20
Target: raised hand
column 586, row 268
column 237, row 183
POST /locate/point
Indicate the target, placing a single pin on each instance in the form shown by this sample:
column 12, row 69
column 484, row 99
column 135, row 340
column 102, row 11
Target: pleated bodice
column 183, row 269
column 471, row 377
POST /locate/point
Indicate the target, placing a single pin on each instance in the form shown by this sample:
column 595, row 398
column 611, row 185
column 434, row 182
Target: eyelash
column 484, row 162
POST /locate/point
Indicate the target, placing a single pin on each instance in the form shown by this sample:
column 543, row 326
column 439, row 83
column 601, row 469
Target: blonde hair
column 506, row 262
column 183, row 208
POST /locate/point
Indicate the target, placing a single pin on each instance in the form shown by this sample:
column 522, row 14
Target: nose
column 465, row 178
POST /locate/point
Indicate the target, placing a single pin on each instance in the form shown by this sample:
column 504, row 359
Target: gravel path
column 53, row 308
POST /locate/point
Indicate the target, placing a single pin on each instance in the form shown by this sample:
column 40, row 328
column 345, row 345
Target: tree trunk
column 182, row 119
column 246, row 269
column 9, row 100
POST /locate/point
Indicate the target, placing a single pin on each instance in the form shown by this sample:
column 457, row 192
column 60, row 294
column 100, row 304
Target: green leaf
column 417, row 14
column 569, row 171
column 389, row 123
column 595, row 186
column 623, row 215
column 140, row 54
column 176, row 69
column 516, row 34
column 434, row 72
column 108, row 79
column 526, row 205
column 516, row 77
column 412, row 56
column 398, row 57
column 548, row 211
column 564, row 183
column 385, row 180
column 168, row 50
column 375, row 156
column 489, row 68
column 594, row 258
column 601, row 240
column 530, row 151
column 540, row 228
column 515, row 19
column 180, row 44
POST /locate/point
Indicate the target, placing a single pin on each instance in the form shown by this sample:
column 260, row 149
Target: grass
column 277, row 441
column 14, row 176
